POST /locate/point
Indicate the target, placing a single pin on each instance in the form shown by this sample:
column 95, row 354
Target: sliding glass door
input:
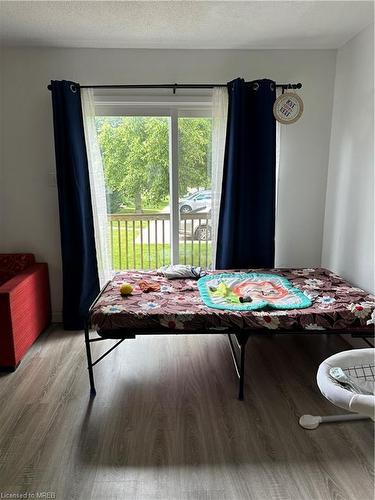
column 157, row 165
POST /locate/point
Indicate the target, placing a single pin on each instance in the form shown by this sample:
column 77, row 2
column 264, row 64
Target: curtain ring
column 255, row 86
column 73, row 88
column 272, row 86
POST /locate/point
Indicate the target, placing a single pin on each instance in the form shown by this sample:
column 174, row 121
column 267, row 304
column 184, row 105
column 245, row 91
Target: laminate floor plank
column 166, row 424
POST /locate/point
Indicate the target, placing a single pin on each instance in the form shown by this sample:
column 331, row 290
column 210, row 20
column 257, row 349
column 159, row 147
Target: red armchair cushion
column 15, row 262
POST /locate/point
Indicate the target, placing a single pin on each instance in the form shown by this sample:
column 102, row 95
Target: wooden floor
column 166, row 423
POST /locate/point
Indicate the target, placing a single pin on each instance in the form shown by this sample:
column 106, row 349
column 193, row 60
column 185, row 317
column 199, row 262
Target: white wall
column 29, row 201
column 348, row 245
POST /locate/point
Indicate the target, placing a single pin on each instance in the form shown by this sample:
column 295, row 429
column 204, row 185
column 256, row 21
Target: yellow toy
column 126, row 289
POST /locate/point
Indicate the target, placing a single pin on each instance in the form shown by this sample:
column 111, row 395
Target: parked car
column 196, row 201
column 196, row 229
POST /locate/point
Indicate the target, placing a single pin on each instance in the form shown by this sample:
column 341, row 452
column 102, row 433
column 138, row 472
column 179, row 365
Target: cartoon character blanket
column 250, row 291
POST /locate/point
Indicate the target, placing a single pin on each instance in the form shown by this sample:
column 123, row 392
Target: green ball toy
column 126, row 289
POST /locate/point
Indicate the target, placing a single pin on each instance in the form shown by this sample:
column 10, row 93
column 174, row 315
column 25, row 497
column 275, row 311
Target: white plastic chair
column 357, row 363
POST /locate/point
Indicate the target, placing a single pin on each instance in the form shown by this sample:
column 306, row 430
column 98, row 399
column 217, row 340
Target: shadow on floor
column 189, row 414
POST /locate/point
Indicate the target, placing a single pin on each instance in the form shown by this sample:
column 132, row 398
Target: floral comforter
column 177, row 305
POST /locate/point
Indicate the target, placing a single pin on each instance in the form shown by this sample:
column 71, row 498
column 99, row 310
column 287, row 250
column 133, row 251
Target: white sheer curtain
column 219, row 129
column 97, row 187
column 277, row 233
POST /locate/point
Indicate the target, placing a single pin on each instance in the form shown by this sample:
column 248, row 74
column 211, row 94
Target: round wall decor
column 288, row 108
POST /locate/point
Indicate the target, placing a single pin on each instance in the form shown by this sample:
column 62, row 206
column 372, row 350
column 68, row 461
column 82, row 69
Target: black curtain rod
column 175, row 86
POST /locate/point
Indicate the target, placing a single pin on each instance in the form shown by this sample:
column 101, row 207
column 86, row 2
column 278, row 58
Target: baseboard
column 56, row 316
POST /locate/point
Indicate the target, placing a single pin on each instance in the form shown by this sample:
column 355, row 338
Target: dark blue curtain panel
column 80, row 272
column 246, row 232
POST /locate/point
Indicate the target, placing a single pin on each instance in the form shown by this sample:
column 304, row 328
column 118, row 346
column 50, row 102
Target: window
column 156, row 153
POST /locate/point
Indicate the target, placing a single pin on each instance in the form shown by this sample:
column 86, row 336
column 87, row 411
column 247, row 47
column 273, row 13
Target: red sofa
column 25, row 308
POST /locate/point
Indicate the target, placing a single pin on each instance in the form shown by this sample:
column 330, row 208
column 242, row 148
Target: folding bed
column 337, row 307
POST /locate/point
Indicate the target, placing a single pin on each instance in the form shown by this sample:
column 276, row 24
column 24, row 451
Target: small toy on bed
column 222, row 290
column 246, row 297
column 126, row 289
column 149, row 286
column 226, row 292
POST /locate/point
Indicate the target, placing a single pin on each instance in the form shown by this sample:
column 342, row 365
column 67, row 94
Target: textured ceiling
column 183, row 24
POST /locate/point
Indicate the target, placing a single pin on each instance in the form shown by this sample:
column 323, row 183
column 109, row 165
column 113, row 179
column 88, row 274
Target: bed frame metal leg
column 241, row 339
column 89, row 361
column 242, row 370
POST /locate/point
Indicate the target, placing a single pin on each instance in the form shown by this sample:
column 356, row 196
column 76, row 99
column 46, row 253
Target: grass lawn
column 154, row 255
